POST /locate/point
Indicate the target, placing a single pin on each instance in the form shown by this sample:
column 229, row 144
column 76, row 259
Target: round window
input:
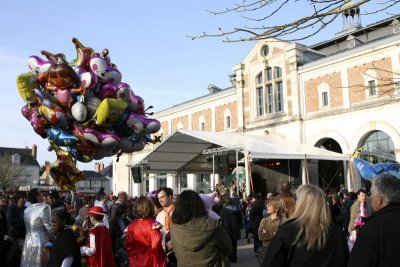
column 264, row 50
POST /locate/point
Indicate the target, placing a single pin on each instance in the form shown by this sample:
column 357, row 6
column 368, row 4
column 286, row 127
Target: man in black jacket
column 377, row 241
column 15, row 219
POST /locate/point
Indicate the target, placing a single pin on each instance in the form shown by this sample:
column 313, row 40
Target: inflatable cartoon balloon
column 84, row 109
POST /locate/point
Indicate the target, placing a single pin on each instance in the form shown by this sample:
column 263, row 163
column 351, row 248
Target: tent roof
column 183, row 150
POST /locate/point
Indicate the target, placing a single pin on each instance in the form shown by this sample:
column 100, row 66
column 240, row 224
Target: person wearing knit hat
column 99, row 248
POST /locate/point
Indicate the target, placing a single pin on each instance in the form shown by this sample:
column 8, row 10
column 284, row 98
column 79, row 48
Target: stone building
column 20, row 166
column 339, row 94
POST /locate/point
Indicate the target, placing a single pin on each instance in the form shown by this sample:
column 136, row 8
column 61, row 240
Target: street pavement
column 245, row 254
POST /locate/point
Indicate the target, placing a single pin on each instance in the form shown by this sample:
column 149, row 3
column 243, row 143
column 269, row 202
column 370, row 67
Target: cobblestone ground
column 245, row 256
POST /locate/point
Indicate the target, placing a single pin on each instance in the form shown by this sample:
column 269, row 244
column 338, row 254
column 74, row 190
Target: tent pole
column 307, row 178
column 213, row 176
column 352, row 174
column 246, row 166
column 306, row 169
column 237, row 175
column 179, row 182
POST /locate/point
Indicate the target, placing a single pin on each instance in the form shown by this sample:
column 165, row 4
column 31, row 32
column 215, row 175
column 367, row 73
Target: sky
column 147, row 40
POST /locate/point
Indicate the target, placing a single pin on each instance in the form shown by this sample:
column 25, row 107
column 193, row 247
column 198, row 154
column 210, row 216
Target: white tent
column 184, row 151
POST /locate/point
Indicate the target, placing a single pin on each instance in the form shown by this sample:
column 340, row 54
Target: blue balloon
column 60, row 137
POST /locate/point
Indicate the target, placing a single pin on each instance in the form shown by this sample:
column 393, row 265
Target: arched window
column 378, row 147
column 180, row 126
column 269, row 91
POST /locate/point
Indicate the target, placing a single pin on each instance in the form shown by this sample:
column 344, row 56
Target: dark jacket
column 378, row 240
column 346, row 215
column 64, row 245
column 256, row 213
column 231, row 219
column 281, row 252
column 200, row 242
column 15, row 219
column 116, row 234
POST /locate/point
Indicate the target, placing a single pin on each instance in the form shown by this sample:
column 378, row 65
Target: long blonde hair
column 312, row 217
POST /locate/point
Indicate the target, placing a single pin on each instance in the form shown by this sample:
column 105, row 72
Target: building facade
column 340, row 94
column 19, row 167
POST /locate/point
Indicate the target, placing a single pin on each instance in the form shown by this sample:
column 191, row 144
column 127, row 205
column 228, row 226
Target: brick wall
column 165, row 127
column 333, row 80
column 183, row 119
column 220, row 118
column 207, row 120
column 356, row 78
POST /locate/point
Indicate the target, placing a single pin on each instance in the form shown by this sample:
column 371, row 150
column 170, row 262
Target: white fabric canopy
column 183, row 150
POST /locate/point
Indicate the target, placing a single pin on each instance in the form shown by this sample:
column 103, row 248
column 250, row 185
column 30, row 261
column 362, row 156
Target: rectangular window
column 278, row 72
column 279, row 97
column 259, row 79
column 269, row 74
column 270, row 97
column 228, row 122
column 161, row 181
column 203, row 182
column 372, row 87
column 324, row 99
column 260, row 101
column 184, row 183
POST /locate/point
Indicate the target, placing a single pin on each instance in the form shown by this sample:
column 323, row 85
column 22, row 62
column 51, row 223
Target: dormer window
column 16, row 159
column 353, row 41
column 395, row 26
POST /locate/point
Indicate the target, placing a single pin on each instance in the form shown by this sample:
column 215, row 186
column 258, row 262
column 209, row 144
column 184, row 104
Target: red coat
column 144, row 244
column 104, row 254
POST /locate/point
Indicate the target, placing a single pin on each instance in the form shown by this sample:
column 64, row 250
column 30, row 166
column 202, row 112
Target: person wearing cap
column 99, row 249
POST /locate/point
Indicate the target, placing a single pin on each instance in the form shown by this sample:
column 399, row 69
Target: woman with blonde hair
column 309, row 238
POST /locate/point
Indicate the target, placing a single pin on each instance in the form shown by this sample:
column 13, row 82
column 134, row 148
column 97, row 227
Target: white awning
column 183, row 150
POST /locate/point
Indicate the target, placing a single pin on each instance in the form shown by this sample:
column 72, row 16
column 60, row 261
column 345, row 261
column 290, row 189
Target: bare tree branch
column 9, row 172
column 324, row 13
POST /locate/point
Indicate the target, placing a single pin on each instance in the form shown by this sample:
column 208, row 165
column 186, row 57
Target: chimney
column 34, row 151
column 97, row 167
column 47, row 169
column 101, row 166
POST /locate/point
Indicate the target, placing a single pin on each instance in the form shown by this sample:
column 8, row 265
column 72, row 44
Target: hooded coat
column 200, row 242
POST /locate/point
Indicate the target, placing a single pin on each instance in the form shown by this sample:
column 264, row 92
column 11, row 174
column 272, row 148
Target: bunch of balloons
column 83, row 107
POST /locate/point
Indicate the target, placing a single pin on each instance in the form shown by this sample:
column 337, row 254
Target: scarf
column 168, row 211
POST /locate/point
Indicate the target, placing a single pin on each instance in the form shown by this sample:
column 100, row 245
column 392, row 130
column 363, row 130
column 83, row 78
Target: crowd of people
column 305, row 227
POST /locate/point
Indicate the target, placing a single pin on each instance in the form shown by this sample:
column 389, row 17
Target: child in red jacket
column 99, row 248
